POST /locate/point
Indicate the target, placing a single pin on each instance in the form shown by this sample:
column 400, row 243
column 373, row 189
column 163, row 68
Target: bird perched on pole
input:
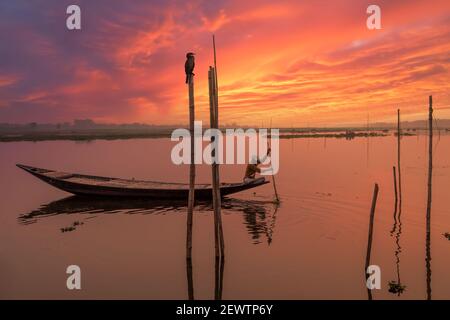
column 189, row 66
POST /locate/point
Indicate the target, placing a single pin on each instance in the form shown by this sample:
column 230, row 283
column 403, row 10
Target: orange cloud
column 296, row 62
column 263, row 13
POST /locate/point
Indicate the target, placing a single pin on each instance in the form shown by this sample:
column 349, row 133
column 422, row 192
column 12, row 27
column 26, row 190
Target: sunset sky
column 297, row 62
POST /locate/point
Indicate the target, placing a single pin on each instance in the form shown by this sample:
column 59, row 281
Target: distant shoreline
column 89, row 130
column 124, row 135
column 34, row 137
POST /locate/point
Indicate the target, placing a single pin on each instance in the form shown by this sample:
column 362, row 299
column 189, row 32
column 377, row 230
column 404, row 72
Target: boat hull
column 85, row 185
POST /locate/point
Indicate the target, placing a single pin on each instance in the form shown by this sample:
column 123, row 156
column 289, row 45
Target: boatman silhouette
column 189, row 66
column 252, row 168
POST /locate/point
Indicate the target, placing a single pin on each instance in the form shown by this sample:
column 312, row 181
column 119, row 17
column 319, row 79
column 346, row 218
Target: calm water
column 311, row 247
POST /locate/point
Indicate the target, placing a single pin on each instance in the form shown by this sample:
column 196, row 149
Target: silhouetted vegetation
column 72, row 227
column 396, row 288
column 348, row 134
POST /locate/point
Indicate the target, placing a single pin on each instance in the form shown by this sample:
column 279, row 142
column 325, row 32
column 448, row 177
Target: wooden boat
column 87, row 185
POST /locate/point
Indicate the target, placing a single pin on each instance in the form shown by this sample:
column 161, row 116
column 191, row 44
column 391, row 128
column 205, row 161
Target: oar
column 277, row 199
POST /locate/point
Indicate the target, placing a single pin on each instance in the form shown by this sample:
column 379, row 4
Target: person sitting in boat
column 252, row 168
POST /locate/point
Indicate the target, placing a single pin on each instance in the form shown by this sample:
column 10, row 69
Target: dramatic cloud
column 297, row 62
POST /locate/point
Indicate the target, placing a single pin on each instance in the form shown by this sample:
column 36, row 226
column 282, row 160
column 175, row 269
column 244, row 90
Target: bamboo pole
column 213, row 184
column 213, row 173
column 430, row 172
column 216, row 165
column 272, row 225
column 221, row 272
column 396, row 201
column 277, row 199
column 398, row 160
column 191, row 171
column 215, row 75
column 395, row 185
column 218, row 287
column 190, row 279
column 218, row 232
column 369, row 241
column 217, row 179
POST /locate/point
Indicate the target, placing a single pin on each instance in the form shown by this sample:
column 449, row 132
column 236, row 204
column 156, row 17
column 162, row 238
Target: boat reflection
column 259, row 216
column 258, row 220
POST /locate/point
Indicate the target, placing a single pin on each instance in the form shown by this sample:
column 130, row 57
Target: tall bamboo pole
column 430, row 172
column 215, row 74
column 217, row 180
column 191, row 170
column 212, row 100
column 398, row 161
column 213, row 172
column 215, row 165
column 369, row 241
